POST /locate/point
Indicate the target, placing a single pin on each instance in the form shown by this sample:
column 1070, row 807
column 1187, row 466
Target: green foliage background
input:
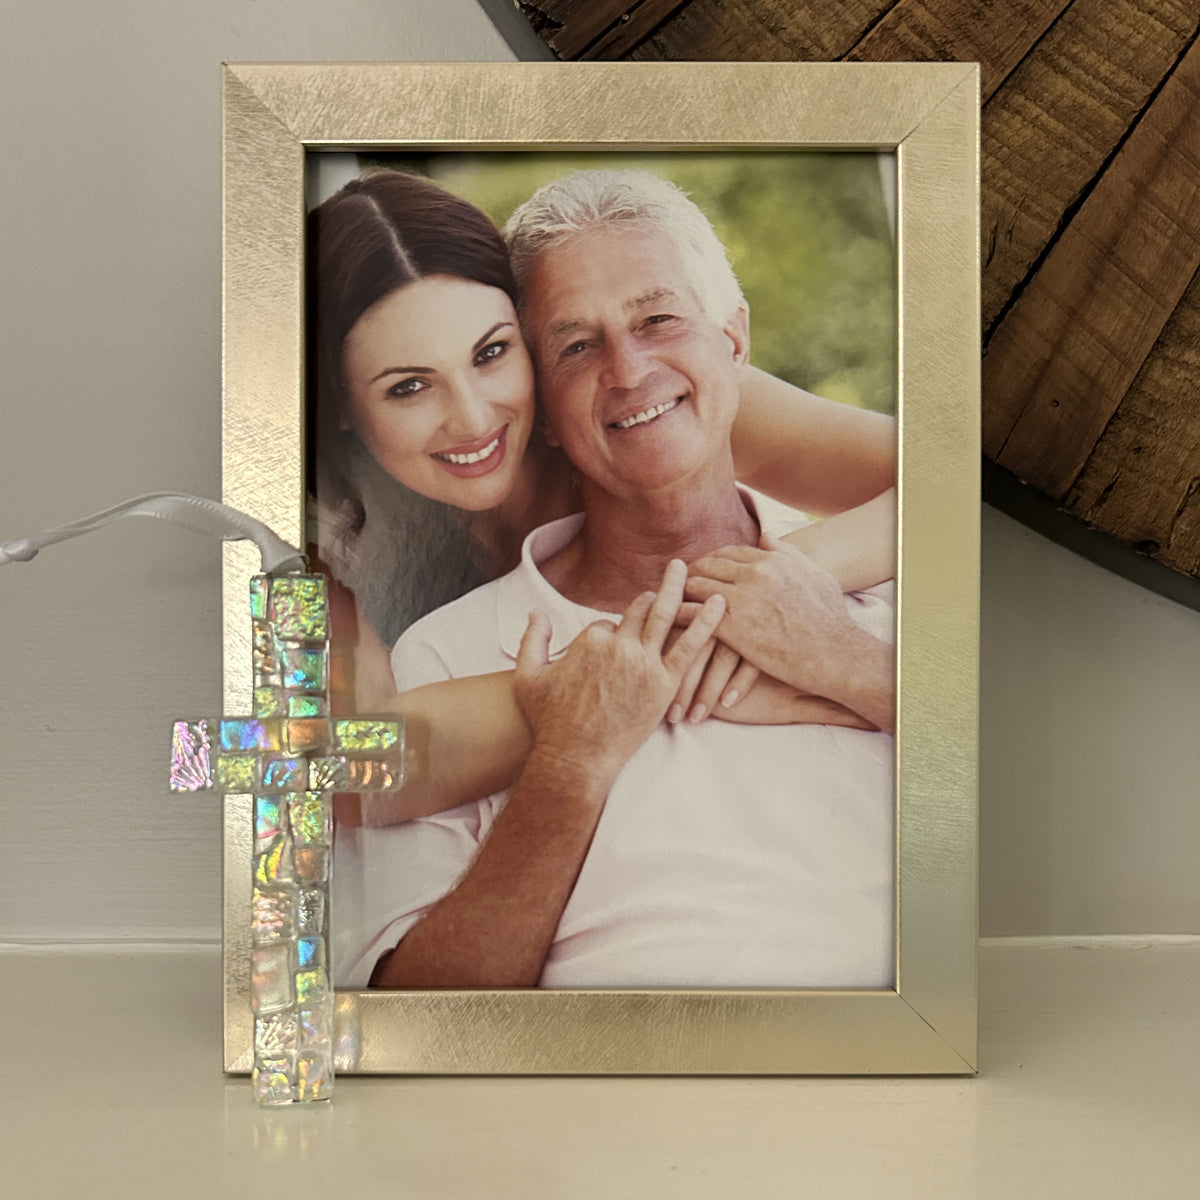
column 807, row 233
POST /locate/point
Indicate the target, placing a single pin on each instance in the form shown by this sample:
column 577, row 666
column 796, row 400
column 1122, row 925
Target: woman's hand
column 718, row 675
column 773, row 702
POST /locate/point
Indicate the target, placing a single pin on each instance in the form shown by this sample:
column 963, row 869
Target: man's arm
column 788, row 617
column 588, row 713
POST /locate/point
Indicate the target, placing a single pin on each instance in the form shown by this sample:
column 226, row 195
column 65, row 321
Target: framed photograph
column 736, row 302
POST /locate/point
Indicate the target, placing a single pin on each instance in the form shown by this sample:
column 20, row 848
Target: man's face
column 639, row 385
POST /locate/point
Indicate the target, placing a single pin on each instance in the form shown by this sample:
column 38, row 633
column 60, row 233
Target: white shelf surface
column 1089, row 1086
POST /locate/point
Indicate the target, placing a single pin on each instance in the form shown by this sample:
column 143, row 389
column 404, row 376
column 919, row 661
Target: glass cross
column 291, row 756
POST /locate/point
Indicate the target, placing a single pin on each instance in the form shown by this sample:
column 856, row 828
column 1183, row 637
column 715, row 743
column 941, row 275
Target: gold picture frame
column 928, row 115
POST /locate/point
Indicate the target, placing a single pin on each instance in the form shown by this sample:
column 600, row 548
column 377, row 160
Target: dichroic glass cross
column 291, row 756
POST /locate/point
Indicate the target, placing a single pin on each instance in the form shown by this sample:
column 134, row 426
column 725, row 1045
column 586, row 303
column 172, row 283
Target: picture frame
column 927, row 115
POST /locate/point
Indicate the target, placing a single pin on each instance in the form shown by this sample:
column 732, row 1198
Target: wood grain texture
column 569, row 27
column 631, row 30
column 960, row 31
column 1142, row 481
column 1066, row 353
column 1048, row 132
column 762, row 30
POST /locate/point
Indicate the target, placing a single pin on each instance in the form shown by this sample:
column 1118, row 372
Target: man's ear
column 737, row 329
column 548, row 434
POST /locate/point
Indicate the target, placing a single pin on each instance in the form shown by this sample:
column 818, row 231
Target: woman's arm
column 813, row 454
column 464, row 738
column 857, row 547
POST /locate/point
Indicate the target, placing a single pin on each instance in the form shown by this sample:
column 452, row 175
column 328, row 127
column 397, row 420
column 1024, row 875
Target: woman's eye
column 407, row 387
column 491, row 351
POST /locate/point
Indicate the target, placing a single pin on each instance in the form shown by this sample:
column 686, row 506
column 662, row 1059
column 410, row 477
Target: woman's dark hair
column 379, row 233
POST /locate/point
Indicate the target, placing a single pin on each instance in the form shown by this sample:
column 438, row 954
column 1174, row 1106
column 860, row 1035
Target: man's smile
column 646, row 415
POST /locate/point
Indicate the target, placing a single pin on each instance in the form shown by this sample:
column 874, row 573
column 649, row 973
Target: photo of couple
column 633, row 595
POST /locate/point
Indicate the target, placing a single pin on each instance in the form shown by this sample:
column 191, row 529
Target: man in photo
column 634, row 851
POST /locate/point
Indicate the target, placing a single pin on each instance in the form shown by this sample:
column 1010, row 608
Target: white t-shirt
column 726, row 855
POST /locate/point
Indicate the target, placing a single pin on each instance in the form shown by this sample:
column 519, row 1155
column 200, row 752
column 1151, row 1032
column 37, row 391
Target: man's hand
column 596, row 705
column 788, row 616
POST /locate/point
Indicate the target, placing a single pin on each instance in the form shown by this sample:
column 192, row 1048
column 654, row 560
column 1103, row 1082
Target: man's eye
column 660, row 319
column 573, row 348
column 407, row 387
column 491, row 351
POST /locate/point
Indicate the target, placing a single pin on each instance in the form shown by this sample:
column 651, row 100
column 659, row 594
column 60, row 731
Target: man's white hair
column 590, row 199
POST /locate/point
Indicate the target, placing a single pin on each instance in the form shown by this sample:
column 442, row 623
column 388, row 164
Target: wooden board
column 1091, row 219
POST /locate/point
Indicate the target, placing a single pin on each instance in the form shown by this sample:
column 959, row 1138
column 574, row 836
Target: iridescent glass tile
column 302, row 668
column 268, row 821
column 271, row 978
column 237, row 772
column 273, row 913
column 250, row 733
column 310, row 953
column 307, row 706
column 276, row 1034
column 374, row 775
column 274, row 865
column 284, row 774
column 308, row 735
column 310, row 817
column 258, row 597
column 266, row 662
column 270, row 702
column 311, row 864
column 191, row 758
column 351, row 736
column 316, row 1027
column 311, row 986
column 272, row 1080
column 298, row 610
column 328, row 774
column 310, row 911
column 314, row 1075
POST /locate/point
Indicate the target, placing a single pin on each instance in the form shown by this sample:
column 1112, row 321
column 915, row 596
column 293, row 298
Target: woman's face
column 439, row 388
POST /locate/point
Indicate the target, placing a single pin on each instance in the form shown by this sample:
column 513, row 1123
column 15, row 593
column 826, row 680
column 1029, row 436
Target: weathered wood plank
column 960, row 31
column 762, row 30
column 568, row 26
column 1051, row 127
column 1141, row 484
column 635, row 26
column 1066, row 353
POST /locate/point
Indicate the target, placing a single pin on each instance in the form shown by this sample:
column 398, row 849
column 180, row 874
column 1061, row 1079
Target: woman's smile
column 440, row 390
column 475, row 458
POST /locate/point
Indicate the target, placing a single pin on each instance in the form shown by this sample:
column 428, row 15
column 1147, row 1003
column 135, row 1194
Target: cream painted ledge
column 1089, row 1086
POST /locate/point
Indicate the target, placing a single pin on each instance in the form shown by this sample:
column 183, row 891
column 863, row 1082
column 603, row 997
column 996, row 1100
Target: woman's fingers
column 692, row 641
column 744, row 678
column 699, row 588
column 634, row 620
column 692, row 675
column 718, row 675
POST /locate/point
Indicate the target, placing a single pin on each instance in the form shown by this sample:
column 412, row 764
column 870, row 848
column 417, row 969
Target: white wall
column 109, row 257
